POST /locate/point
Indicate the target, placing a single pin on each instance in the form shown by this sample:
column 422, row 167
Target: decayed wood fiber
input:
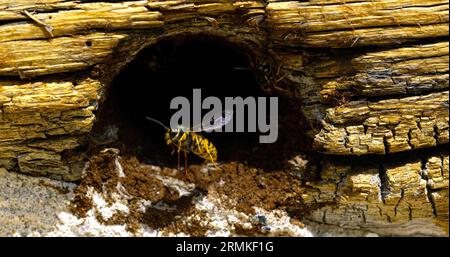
column 349, row 24
column 83, row 18
column 394, row 191
column 330, row 78
column 67, row 18
column 385, row 126
column 62, row 54
column 45, row 104
column 405, row 70
column 317, row 24
column 339, row 91
column 39, row 120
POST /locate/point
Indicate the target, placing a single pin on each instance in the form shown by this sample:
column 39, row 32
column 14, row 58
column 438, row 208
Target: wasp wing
column 214, row 123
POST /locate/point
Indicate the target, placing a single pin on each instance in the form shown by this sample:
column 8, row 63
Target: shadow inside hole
column 174, row 67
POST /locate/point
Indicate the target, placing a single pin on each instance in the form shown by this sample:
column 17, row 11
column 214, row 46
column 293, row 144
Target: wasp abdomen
column 192, row 142
column 201, row 147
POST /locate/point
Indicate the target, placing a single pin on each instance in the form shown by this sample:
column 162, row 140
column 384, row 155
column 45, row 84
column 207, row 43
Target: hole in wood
column 174, row 67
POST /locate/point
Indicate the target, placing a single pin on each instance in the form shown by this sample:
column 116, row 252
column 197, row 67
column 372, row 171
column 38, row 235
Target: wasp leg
column 185, row 163
column 209, row 153
column 214, row 163
column 188, row 143
column 212, row 160
column 182, row 138
column 201, row 146
column 178, row 151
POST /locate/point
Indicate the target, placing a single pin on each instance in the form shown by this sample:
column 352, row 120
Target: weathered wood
column 324, row 23
column 85, row 17
column 406, row 70
column 312, row 16
column 385, row 126
column 372, row 77
column 63, row 54
column 437, row 172
column 338, row 89
column 41, row 109
column 353, row 24
column 392, row 191
column 39, row 120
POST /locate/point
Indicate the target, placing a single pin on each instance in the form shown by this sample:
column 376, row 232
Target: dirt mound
column 167, row 200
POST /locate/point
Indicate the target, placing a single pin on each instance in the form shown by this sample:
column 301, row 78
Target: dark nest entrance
column 174, row 67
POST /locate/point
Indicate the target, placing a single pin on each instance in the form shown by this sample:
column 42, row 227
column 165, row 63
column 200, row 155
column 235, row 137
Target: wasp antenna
column 241, row 68
column 156, row 121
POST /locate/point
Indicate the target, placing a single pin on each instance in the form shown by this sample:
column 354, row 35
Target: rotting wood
column 85, row 17
column 40, row 120
column 41, row 109
column 385, row 126
column 289, row 22
column 333, row 86
column 406, row 70
column 391, row 191
column 62, row 54
column 350, row 24
column 372, row 77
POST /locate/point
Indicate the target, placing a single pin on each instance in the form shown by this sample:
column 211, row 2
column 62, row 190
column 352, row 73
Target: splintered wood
column 371, row 76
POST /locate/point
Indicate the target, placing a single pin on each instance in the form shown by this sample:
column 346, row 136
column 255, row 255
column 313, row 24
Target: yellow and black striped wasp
column 187, row 140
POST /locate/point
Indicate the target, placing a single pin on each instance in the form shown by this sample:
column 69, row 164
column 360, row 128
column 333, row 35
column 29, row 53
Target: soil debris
column 124, row 191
